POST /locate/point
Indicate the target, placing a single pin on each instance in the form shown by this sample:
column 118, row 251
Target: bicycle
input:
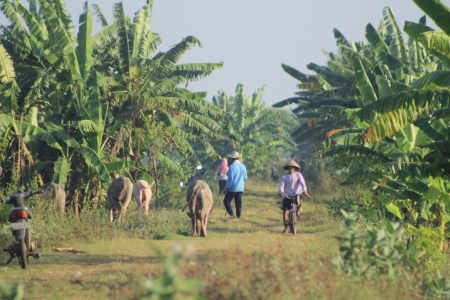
column 293, row 219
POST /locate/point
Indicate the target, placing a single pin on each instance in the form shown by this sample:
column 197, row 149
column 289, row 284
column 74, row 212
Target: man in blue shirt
column 234, row 189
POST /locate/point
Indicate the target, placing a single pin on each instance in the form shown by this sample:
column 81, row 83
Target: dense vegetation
column 78, row 107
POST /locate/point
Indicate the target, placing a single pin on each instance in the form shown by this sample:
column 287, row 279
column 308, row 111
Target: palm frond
column 298, row 75
column 7, row 73
column 100, row 16
column 289, row 101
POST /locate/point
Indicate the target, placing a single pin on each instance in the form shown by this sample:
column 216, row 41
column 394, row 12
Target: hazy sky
column 254, row 37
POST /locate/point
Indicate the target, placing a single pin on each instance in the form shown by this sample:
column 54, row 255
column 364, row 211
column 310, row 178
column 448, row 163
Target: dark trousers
column 222, row 184
column 237, row 196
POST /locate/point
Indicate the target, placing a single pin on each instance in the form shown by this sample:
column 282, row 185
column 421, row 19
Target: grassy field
column 247, row 258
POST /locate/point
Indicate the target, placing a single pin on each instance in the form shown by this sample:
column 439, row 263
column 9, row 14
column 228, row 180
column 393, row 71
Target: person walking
column 302, row 164
column 222, row 174
column 291, row 185
column 234, row 189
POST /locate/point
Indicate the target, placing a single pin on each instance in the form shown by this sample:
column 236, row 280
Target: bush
column 171, row 284
column 438, row 286
column 375, row 252
column 428, row 242
column 345, row 203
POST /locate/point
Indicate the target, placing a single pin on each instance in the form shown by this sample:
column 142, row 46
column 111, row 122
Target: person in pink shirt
column 291, row 184
column 222, row 174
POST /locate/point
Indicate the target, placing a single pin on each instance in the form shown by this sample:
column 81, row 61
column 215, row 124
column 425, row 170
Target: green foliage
column 50, row 229
column 11, row 291
column 258, row 132
column 427, row 241
column 338, row 204
column 170, row 285
column 438, row 287
column 375, row 252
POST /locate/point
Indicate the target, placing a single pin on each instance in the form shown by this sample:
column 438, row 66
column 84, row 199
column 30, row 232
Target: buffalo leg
column 194, row 223
column 205, row 223
column 146, row 205
column 203, row 227
column 198, row 226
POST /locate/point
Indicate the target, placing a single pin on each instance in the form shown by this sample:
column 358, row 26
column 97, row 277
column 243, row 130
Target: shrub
column 345, row 203
column 438, row 286
column 375, row 252
column 428, row 242
column 11, row 291
column 171, row 284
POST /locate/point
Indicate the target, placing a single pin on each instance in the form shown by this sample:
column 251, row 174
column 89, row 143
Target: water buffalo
column 199, row 199
column 119, row 194
column 57, row 195
column 142, row 192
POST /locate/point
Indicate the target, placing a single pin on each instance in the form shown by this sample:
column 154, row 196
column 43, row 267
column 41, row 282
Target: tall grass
column 242, row 259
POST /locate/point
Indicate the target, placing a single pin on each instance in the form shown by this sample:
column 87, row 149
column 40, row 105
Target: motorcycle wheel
column 22, row 254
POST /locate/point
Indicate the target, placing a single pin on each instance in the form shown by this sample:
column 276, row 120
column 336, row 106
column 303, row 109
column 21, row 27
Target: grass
column 245, row 258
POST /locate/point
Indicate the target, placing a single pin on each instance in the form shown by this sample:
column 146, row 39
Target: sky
column 254, row 37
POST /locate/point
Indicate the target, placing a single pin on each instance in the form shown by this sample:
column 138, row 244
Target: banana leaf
column 377, row 43
column 37, row 133
column 437, row 11
column 436, row 41
column 298, row 75
column 61, row 170
column 168, row 162
column 289, row 101
column 119, row 165
column 363, row 82
column 7, row 72
column 84, row 48
column 8, row 96
column 437, row 79
column 93, row 160
column 123, row 35
column 415, row 30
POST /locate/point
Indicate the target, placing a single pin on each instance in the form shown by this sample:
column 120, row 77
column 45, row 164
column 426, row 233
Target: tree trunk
column 155, row 177
column 75, row 203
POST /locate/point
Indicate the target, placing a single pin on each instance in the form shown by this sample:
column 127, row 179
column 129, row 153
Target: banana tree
column 254, row 129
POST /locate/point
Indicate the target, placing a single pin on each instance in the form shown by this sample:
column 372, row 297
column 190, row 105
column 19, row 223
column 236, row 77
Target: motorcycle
column 22, row 247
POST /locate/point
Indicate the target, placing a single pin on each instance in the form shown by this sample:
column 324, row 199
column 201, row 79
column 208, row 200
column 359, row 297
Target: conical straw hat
column 291, row 163
column 234, row 154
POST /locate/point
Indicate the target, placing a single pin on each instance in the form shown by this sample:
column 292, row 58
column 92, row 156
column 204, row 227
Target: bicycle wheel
column 22, row 254
column 292, row 222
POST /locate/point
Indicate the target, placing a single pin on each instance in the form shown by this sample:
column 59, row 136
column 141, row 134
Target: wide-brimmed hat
column 234, row 154
column 291, row 163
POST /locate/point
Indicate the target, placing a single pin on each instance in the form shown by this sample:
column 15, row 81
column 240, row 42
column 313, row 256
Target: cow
column 200, row 200
column 119, row 194
column 57, row 195
column 142, row 192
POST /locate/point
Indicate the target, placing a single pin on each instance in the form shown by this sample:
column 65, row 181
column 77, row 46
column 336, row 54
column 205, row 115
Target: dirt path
column 109, row 266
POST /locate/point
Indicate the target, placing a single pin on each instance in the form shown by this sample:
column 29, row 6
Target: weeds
column 345, row 203
column 376, row 251
column 438, row 287
column 11, row 291
column 171, row 284
column 246, row 259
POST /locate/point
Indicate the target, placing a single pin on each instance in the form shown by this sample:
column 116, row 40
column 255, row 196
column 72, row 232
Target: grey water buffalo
column 119, row 194
column 57, row 195
column 199, row 199
column 142, row 192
